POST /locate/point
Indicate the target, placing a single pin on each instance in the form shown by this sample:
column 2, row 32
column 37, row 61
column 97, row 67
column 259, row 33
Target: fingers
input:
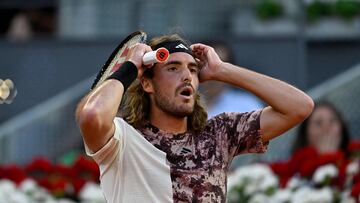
column 136, row 54
column 199, row 50
column 199, row 46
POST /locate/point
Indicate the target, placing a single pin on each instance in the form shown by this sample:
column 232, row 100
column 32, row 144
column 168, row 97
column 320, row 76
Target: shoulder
column 122, row 127
column 226, row 116
column 233, row 118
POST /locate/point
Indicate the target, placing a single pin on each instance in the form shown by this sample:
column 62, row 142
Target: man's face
column 175, row 84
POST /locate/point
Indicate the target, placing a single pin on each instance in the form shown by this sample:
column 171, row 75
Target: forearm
column 104, row 101
column 281, row 96
column 96, row 112
column 288, row 105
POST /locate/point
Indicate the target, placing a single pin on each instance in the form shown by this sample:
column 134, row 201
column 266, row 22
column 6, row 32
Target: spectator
column 24, row 24
column 324, row 129
column 20, row 28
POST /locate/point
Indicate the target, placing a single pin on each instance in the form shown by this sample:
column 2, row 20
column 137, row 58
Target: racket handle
column 159, row 55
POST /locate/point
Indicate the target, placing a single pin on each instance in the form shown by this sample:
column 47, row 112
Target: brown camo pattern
column 199, row 162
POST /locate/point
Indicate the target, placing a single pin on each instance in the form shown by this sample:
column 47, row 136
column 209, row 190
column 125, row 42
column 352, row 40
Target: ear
column 147, row 85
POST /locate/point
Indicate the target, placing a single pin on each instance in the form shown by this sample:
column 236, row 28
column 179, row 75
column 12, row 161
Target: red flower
column 2, row 172
column 336, row 158
column 14, row 173
column 39, row 168
column 355, row 191
column 282, row 170
column 341, row 178
column 58, row 186
column 58, row 182
column 64, row 171
column 356, row 178
column 306, row 160
column 307, row 168
column 78, row 184
column 300, row 157
column 303, row 161
column 86, row 168
column 354, row 146
column 82, row 171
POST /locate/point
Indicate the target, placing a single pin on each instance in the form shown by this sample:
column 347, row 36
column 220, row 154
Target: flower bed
column 306, row 177
column 42, row 181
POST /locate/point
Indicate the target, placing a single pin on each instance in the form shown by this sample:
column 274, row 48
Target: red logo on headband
column 162, row 54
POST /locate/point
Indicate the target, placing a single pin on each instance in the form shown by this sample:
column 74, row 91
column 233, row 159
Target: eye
column 194, row 70
column 172, row 68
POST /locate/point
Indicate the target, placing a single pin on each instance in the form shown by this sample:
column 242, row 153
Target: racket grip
column 158, row 56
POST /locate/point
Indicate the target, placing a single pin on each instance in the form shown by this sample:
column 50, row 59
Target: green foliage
column 318, row 10
column 270, row 191
column 347, row 9
column 269, row 9
column 240, row 192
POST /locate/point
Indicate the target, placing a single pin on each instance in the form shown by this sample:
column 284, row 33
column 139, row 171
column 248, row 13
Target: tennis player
column 163, row 148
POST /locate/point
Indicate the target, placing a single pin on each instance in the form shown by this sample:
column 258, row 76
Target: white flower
column 295, row 182
column 64, row 200
column 19, row 197
column 323, row 172
column 50, row 201
column 28, row 186
column 268, row 182
column 2, row 197
column 254, row 177
column 352, row 168
column 259, row 198
column 281, row 196
column 41, row 195
column 310, row 195
column 346, row 198
column 91, row 192
column 7, row 186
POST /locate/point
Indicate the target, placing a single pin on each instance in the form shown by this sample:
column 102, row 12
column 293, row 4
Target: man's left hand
column 209, row 60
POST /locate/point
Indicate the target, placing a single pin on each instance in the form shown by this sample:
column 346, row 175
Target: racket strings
column 118, row 58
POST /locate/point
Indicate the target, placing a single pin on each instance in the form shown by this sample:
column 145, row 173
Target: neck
column 166, row 122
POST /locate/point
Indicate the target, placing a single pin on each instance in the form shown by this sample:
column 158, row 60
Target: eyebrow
column 179, row 63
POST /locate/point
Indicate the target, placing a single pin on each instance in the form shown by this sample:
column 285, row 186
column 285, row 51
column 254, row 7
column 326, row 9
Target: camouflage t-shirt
column 199, row 162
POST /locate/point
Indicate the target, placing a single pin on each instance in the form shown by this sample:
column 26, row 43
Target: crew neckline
column 157, row 130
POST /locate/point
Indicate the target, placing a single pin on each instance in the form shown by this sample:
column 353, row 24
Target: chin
column 184, row 112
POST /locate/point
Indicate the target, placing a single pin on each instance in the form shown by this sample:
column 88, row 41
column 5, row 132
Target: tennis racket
column 118, row 56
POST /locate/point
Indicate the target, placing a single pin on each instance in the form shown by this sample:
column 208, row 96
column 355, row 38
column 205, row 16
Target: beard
column 165, row 103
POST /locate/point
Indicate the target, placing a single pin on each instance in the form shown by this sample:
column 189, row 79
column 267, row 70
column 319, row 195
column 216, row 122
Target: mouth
column 186, row 92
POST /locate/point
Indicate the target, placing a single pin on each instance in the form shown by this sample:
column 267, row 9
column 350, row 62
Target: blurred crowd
column 23, row 24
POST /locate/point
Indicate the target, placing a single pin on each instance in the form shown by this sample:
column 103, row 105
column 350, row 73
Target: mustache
column 185, row 85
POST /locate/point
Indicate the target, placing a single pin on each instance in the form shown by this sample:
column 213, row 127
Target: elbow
column 88, row 119
column 306, row 108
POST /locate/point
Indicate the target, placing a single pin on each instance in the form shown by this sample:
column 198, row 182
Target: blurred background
column 52, row 49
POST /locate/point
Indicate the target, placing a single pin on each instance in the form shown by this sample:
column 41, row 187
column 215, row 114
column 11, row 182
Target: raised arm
column 288, row 105
column 96, row 111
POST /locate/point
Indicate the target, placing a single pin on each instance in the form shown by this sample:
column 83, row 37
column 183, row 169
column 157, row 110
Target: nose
column 186, row 75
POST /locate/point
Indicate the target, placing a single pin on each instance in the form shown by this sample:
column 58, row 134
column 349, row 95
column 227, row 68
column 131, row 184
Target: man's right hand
column 136, row 54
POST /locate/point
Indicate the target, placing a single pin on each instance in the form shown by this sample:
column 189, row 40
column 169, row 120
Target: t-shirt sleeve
column 241, row 132
column 105, row 156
